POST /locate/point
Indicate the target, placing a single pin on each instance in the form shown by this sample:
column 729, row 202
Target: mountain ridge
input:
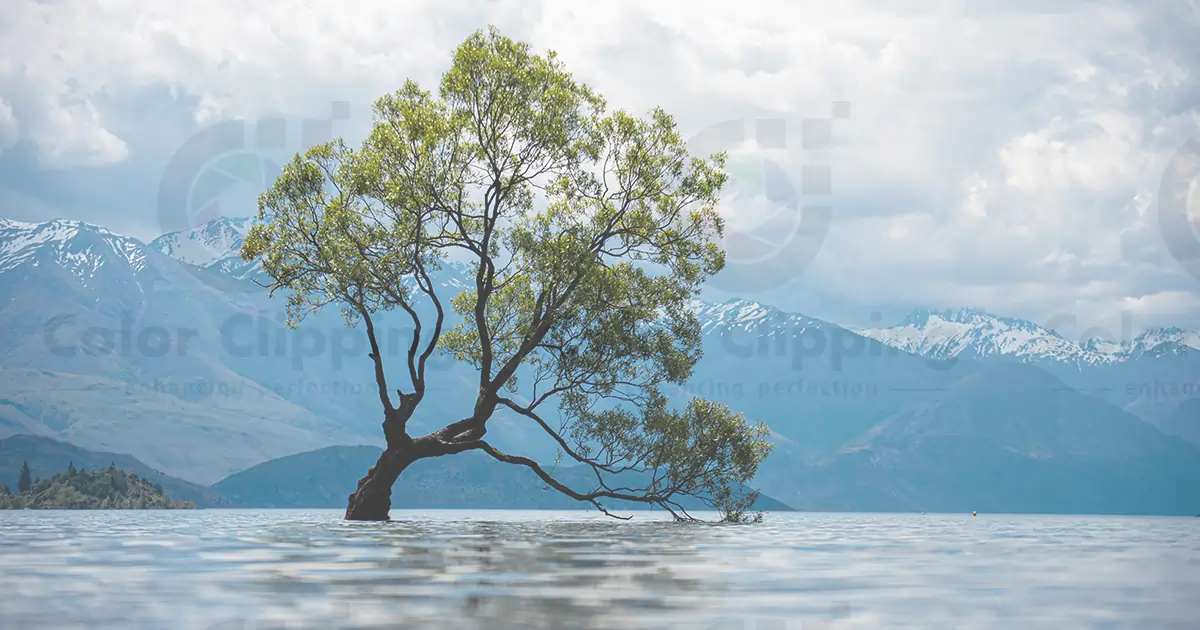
column 937, row 333
column 819, row 386
column 976, row 333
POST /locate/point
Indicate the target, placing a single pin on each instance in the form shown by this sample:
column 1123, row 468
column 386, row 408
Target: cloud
column 9, row 130
column 998, row 154
column 73, row 137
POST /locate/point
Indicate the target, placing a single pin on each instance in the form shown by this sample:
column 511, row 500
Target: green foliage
column 109, row 489
column 588, row 233
column 26, row 481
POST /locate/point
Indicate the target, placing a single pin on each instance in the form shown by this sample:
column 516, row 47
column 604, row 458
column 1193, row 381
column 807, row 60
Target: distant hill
column 1006, row 438
column 1148, row 375
column 105, row 489
column 325, row 477
column 47, row 456
column 1185, row 421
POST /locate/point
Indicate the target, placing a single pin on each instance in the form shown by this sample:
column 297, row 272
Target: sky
column 1008, row 155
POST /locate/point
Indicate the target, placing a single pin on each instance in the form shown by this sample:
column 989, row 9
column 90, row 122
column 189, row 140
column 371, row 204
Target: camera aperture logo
column 1179, row 206
column 774, row 227
column 766, row 205
column 221, row 170
column 226, row 174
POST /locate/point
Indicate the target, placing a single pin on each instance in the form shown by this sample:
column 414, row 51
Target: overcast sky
column 1000, row 154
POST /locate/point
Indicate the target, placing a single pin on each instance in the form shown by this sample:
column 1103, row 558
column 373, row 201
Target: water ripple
column 216, row 569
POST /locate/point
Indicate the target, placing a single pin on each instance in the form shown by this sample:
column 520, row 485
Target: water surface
column 227, row 569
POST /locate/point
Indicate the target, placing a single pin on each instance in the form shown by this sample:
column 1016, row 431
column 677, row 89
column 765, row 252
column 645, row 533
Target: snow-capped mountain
column 80, row 248
column 972, row 333
column 84, row 249
column 1158, row 341
column 215, row 245
column 107, row 343
column 747, row 315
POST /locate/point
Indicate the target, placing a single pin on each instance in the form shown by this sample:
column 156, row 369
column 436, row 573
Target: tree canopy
column 587, row 234
column 110, row 489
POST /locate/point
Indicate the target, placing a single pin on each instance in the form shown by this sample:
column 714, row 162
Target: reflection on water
column 216, row 569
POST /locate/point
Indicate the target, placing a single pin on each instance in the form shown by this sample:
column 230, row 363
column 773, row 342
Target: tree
column 25, row 481
column 587, row 234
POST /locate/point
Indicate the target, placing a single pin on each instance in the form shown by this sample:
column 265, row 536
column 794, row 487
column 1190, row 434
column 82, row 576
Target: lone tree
column 25, row 482
column 587, row 234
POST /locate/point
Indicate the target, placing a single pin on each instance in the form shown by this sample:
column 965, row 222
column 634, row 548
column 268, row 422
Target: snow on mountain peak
column 923, row 316
column 1161, row 340
column 216, row 244
column 975, row 333
column 748, row 315
column 81, row 248
column 206, row 244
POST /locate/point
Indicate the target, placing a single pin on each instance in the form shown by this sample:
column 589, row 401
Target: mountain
column 972, row 333
column 214, row 245
column 1149, row 375
column 1007, row 438
column 1005, row 404
column 79, row 248
column 168, row 351
column 815, row 383
column 47, row 456
column 1161, row 341
column 173, row 354
column 114, row 346
column 862, row 425
column 325, row 477
column 1184, row 421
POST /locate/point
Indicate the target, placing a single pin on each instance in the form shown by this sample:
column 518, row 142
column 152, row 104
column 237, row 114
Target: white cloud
column 9, row 130
column 1000, row 154
column 1165, row 302
column 73, row 136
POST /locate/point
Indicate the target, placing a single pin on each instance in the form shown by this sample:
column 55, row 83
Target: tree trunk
column 372, row 500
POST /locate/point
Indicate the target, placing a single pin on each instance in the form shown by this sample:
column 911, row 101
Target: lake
column 227, row 569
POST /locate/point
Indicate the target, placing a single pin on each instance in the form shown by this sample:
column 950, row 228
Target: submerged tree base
column 372, row 499
column 368, row 509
